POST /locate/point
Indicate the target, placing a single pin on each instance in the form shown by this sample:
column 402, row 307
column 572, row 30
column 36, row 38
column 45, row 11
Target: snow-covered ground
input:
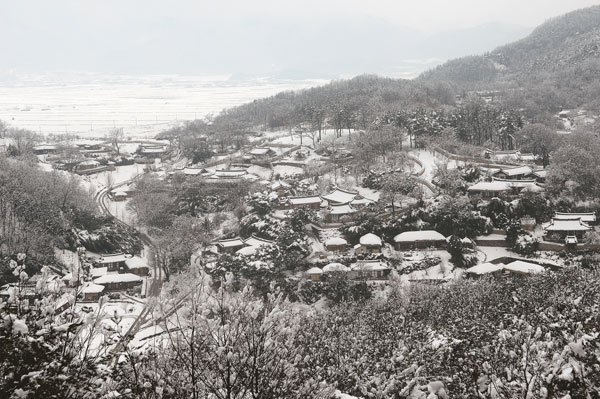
column 91, row 104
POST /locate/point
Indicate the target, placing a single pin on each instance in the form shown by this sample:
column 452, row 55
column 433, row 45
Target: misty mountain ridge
column 293, row 48
column 560, row 49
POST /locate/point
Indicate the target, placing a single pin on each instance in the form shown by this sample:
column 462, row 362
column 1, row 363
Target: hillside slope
column 562, row 47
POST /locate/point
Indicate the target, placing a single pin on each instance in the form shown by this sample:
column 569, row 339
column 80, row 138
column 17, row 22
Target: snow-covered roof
column 585, row 217
column 335, row 267
column 230, row 173
column 112, row 258
column 247, row 251
column 540, row 173
column 67, row 277
column 341, row 210
column 89, row 162
column 117, row 278
column 485, row 268
column 527, row 156
column 279, row 184
column 260, row 151
column 257, row 242
column 233, row 242
column 490, row 186
column 153, row 150
column 370, row 239
column 369, row 266
column 340, row 196
column 314, row 270
column 99, row 271
column 304, row 200
column 566, row 225
column 135, row 262
column 193, row 171
column 92, row 288
column 419, row 235
column 521, row 170
column 361, row 201
column 335, row 241
column 520, row 266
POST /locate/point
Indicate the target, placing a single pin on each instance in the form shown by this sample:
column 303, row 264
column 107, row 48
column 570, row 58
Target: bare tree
column 116, row 135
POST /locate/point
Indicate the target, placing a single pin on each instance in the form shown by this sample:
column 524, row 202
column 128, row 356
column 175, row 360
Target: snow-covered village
column 369, row 237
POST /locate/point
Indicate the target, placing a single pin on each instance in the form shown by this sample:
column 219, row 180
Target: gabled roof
column 99, row 271
column 260, row 151
column 566, row 225
column 304, row 200
column 485, row 268
column 232, row 242
column 521, row 170
column 341, row 210
column 340, row 196
column 497, row 186
column 257, row 242
column 585, row 217
column 361, row 201
column 135, row 262
column 92, row 288
column 540, row 173
column 419, row 235
column 112, row 258
column 520, row 266
column 279, row 184
column 369, row 266
column 117, row 278
column 230, row 173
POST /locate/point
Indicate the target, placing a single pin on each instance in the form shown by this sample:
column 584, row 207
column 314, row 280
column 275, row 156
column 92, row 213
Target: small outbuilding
column 369, row 243
column 336, row 244
column 92, row 292
column 314, row 274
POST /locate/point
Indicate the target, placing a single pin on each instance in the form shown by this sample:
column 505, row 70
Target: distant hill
column 564, row 48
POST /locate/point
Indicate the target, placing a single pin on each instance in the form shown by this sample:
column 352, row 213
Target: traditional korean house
column 369, row 243
column 137, row 266
column 113, row 263
column 486, row 268
column 369, row 270
column 518, row 173
column 230, row 246
column 558, row 229
column 92, row 292
column 261, row 153
column 522, row 268
column 312, row 202
column 340, row 197
column 336, row 244
column 118, row 282
column 314, row 274
column 419, row 239
column 336, row 213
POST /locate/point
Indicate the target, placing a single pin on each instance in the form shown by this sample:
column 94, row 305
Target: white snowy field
column 89, row 105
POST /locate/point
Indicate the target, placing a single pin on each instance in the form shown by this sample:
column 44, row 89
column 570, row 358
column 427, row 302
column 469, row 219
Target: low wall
column 464, row 158
column 491, row 243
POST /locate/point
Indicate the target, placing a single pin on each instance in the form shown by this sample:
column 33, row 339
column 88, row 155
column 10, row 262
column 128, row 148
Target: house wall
column 419, row 245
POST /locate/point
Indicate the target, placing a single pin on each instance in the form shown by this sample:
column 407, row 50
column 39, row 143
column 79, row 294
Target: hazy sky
column 427, row 15
column 256, row 36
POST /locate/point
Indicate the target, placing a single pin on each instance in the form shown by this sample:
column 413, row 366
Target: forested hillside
column 557, row 66
column 560, row 59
